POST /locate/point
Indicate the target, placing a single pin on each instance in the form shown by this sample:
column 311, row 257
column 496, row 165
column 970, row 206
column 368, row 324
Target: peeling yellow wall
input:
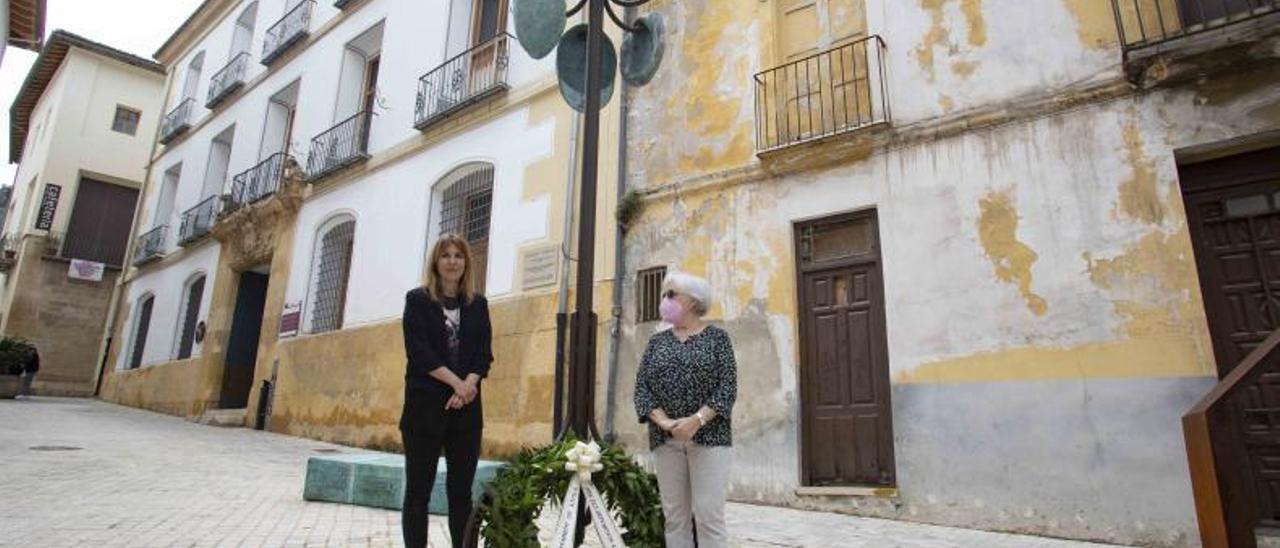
column 1012, row 259
column 939, row 38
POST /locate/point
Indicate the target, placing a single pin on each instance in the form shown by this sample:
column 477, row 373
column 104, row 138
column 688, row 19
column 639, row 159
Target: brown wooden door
column 1233, row 208
column 846, row 424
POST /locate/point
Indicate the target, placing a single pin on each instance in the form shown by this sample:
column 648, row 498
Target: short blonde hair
column 433, row 282
column 695, row 287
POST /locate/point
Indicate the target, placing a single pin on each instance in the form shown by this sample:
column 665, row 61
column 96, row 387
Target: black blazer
column 426, row 340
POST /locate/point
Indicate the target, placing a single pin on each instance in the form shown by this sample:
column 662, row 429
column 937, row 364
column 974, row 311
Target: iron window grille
column 463, row 80
column 258, row 182
column 465, row 211
column 227, row 80
column 332, row 274
column 1145, row 23
column 150, row 245
column 177, row 121
column 289, row 30
column 649, row 293
column 126, row 120
column 198, row 221
column 829, row 93
column 190, row 313
column 339, row 146
column 140, row 331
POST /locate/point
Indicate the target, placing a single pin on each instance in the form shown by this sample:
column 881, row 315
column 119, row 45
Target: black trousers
column 425, row 428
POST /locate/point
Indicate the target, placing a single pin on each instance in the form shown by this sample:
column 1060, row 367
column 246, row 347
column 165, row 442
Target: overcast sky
column 135, row 26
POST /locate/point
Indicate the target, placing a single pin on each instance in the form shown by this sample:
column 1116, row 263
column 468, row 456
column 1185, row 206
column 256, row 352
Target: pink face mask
column 671, row 311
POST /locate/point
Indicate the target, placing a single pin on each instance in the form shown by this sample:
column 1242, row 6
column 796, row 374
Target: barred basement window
column 333, row 270
column 649, row 293
column 190, row 313
column 141, row 327
column 465, row 211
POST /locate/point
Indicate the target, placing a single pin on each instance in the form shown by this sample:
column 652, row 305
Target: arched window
column 192, row 83
column 141, row 325
column 332, row 269
column 242, row 36
column 465, row 198
column 189, row 315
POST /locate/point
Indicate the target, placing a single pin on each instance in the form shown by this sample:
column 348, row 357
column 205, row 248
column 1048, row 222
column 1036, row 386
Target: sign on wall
column 290, row 319
column 81, row 269
column 48, row 206
column 540, row 266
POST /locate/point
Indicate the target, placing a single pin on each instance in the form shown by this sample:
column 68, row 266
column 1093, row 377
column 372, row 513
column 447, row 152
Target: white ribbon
column 584, row 459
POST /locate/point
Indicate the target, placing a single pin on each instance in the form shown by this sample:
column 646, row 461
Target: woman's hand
column 684, row 429
column 454, row 403
column 666, row 424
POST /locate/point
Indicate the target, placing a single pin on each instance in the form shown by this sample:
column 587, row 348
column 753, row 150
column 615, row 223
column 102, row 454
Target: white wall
column 167, row 285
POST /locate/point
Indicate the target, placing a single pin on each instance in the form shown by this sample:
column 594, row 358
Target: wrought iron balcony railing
column 150, row 245
column 825, row 94
column 1145, row 23
column 198, row 221
column 289, row 30
column 257, row 182
column 339, row 146
column 466, row 79
column 177, row 121
column 228, row 80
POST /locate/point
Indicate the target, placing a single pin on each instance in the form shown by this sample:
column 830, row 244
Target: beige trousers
column 694, row 482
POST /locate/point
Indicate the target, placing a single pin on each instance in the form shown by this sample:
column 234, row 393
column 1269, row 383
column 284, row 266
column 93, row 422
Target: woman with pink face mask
column 685, row 388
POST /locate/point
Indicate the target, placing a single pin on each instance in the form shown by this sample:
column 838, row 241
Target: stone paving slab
column 80, row 472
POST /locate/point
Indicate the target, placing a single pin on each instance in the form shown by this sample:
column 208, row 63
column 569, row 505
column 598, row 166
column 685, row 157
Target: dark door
column 1195, row 12
column 846, row 424
column 1233, row 209
column 242, row 347
column 100, row 222
column 140, row 333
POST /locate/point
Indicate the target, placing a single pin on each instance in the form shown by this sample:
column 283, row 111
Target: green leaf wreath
column 516, row 496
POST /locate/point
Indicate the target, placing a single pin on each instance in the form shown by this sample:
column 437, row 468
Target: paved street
column 87, row 473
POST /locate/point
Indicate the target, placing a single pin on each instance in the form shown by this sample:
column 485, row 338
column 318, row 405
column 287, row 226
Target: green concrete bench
column 377, row 480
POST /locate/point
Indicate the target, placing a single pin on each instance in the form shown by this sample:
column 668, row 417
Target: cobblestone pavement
column 86, row 473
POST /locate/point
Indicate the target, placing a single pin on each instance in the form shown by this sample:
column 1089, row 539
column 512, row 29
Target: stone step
column 230, row 418
column 1268, row 537
column 377, row 480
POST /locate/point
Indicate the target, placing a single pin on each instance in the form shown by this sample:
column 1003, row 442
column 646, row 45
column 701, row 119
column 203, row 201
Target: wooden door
column 823, row 87
column 489, row 19
column 846, row 425
column 242, row 346
column 1233, row 209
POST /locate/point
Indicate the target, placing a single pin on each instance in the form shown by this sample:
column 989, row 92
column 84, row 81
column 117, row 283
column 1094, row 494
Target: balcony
column 464, row 80
column 289, row 30
column 342, row 4
column 198, row 221
column 339, row 146
column 9, row 248
column 150, row 246
column 177, row 121
column 1146, row 24
column 830, row 93
column 228, row 80
column 258, row 182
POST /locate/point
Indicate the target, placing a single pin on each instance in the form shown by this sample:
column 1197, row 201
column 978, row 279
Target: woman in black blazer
column 447, row 340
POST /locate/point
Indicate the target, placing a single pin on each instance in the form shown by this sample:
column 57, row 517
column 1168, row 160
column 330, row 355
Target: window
column 649, row 293
column 126, row 120
column 190, row 314
column 192, row 84
column 464, row 210
column 140, row 329
column 333, row 270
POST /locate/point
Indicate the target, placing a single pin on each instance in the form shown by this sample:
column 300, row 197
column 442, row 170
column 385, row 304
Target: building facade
column 80, row 132
column 311, row 154
column 978, row 258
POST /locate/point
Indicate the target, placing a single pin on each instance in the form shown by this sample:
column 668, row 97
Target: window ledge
column 847, row 491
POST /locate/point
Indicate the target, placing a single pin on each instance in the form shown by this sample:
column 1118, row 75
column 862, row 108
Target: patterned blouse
column 681, row 377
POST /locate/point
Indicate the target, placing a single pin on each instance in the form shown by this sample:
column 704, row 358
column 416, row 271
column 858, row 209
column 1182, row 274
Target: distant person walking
column 29, row 370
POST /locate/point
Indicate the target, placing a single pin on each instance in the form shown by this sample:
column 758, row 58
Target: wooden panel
column 799, row 30
column 846, row 424
column 100, row 222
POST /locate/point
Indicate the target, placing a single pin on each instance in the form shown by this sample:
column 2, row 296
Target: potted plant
column 14, row 353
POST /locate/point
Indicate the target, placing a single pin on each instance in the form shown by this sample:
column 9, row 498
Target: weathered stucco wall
column 1044, row 320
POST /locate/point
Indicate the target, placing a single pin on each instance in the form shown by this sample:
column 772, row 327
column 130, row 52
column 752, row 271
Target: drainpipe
column 619, row 262
column 116, row 292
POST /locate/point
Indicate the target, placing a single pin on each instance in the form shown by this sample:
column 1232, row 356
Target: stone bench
column 377, row 480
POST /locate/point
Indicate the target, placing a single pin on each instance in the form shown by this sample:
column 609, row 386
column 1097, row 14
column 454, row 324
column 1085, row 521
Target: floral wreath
column 514, row 499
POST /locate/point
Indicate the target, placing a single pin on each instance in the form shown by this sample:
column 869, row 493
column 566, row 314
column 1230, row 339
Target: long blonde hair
column 434, row 283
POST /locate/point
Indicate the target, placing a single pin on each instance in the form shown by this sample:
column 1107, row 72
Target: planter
column 9, row 386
